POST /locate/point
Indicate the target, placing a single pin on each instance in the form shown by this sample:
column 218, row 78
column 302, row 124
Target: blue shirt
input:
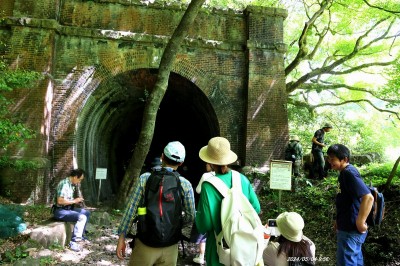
column 351, row 189
column 138, row 193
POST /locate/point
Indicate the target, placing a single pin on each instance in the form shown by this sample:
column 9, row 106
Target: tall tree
column 338, row 51
column 154, row 100
column 392, row 175
column 341, row 51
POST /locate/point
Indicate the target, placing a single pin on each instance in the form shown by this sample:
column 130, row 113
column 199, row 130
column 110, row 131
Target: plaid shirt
column 138, row 193
column 65, row 189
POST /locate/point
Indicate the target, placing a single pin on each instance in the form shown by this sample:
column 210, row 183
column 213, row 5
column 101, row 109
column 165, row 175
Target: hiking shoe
column 85, row 240
column 82, row 240
column 198, row 260
column 74, row 246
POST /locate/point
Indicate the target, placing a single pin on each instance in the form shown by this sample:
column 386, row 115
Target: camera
column 273, row 228
column 272, row 223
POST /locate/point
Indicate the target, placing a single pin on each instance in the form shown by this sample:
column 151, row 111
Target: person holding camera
column 291, row 247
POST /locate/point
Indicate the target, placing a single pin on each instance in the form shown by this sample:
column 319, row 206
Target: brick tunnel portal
column 109, row 128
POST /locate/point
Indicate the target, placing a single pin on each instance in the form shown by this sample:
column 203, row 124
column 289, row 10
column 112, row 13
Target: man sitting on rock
column 64, row 209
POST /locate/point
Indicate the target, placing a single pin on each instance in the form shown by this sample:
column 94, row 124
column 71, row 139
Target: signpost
column 280, row 177
column 101, row 173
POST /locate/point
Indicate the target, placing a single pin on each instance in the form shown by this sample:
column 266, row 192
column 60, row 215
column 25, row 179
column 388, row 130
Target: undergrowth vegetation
column 314, row 200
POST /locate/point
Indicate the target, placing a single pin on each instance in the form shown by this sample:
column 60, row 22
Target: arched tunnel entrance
column 110, row 123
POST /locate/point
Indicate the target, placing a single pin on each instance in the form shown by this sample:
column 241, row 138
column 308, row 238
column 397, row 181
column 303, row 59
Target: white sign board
column 101, row 173
column 281, row 175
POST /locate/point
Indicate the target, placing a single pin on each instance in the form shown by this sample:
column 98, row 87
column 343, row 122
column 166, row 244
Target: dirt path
column 100, row 251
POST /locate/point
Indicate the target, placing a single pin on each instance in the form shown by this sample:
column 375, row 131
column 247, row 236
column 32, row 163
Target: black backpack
column 290, row 152
column 377, row 212
column 162, row 224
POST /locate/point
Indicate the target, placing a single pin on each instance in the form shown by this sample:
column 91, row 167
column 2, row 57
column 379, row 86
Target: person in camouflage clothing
column 294, row 153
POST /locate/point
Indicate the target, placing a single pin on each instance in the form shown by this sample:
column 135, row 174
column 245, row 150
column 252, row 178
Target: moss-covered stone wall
column 99, row 58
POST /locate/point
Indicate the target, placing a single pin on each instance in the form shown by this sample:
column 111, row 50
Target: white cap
column 175, row 151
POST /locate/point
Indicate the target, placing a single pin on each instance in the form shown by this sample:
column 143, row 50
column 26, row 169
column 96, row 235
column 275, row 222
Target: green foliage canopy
column 338, row 54
column 342, row 62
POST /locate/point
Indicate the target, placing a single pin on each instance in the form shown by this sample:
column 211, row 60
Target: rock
column 28, row 261
column 361, row 159
column 100, row 218
column 44, row 253
column 53, row 232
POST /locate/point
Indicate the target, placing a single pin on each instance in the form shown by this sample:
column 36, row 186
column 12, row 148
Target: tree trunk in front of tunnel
column 153, row 102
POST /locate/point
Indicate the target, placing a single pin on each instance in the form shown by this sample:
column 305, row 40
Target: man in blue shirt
column 353, row 204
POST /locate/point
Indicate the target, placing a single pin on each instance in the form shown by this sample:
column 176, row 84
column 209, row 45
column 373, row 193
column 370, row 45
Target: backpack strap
column 219, row 185
column 236, row 180
column 293, row 147
column 222, row 187
column 160, row 173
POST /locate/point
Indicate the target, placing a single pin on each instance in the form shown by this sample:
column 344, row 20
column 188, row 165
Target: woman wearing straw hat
column 219, row 155
column 291, row 247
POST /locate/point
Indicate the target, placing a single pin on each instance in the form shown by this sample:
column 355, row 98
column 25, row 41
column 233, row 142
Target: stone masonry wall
column 235, row 59
column 266, row 115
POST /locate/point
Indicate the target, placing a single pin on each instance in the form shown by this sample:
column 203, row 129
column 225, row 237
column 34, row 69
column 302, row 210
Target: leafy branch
column 358, row 47
column 311, row 108
column 325, row 85
column 381, row 8
column 302, row 42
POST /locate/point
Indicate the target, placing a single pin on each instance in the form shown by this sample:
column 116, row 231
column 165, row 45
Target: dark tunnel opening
column 185, row 115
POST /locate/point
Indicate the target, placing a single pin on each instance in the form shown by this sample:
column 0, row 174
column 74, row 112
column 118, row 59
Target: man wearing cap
column 291, row 245
column 318, row 155
column 172, row 157
column 156, row 164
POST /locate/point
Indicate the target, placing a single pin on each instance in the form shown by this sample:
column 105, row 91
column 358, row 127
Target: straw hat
column 218, row 152
column 291, row 225
column 294, row 137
